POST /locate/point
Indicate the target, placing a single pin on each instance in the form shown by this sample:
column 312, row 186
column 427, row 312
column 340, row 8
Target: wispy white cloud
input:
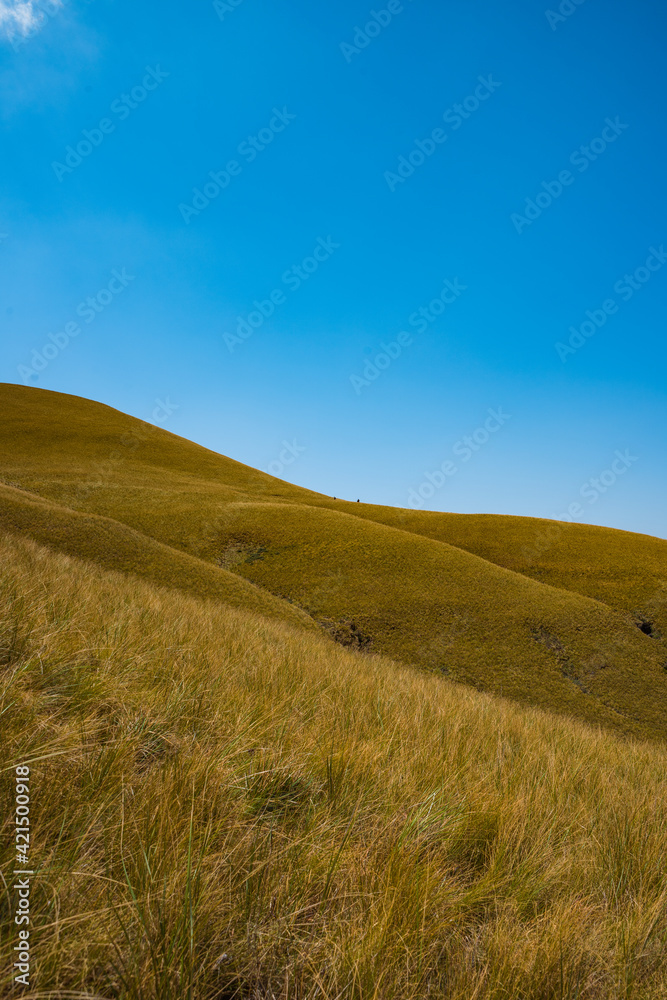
column 20, row 18
column 52, row 63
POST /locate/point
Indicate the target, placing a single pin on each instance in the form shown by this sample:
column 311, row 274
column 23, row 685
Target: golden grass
column 114, row 545
column 430, row 604
column 625, row 570
column 450, row 593
column 226, row 806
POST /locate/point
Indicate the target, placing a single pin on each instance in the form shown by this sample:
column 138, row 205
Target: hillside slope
column 627, row 571
column 90, row 456
column 226, row 806
column 398, row 588
column 112, row 545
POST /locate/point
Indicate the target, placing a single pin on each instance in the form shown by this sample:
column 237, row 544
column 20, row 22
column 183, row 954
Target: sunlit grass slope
column 628, row 571
column 430, row 604
column 227, row 807
column 115, row 546
column 397, row 588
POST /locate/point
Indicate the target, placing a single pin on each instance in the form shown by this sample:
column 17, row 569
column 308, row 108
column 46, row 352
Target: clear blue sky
column 305, row 121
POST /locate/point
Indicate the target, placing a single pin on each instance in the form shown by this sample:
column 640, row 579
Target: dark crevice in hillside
column 566, row 665
column 646, row 626
column 347, row 633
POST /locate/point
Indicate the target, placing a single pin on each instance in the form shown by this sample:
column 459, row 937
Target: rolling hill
column 225, row 805
column 576, row 627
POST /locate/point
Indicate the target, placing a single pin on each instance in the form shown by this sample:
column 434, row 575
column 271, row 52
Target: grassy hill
column 623, row 569
column 228, row 806
column 113, row 545
column 576, row 629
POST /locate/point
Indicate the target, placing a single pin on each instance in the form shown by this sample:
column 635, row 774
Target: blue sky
column 364, row 157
